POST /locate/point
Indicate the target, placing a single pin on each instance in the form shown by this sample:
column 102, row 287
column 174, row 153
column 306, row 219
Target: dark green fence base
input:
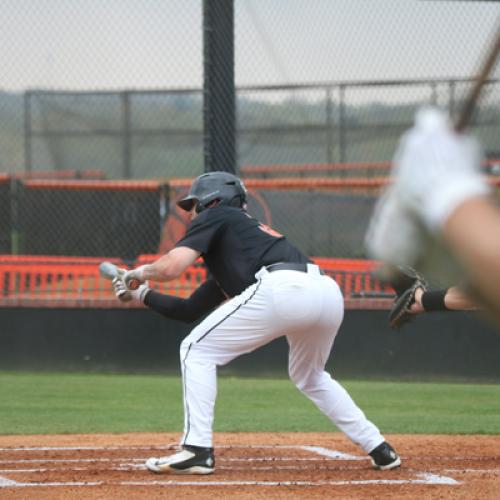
column 453, row 345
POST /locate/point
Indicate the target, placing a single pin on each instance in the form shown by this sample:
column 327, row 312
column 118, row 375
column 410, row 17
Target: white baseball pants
column 305, row 307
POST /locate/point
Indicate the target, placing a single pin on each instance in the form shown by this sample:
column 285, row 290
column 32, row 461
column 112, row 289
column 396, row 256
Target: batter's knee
column 184, row 349
column 188, row 342
column 306, row 381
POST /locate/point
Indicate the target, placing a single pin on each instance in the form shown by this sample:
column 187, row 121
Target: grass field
column 41, row 403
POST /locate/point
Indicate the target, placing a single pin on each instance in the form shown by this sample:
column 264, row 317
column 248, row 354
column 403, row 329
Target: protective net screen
column 100, row 135
column 309, row 213
column 322, row 216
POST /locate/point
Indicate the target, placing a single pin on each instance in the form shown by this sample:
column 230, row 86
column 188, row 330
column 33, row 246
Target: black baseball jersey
column 235, row 246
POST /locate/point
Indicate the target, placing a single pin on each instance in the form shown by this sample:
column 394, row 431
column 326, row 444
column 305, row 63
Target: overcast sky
column 115, row 44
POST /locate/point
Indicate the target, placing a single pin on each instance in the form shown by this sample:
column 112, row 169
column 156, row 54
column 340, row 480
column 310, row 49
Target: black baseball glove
column 405, row 285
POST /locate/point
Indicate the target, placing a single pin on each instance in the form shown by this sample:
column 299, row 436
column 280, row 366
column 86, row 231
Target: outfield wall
column 446, row 345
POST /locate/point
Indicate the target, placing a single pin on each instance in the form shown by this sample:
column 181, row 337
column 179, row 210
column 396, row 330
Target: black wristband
column 434, row 300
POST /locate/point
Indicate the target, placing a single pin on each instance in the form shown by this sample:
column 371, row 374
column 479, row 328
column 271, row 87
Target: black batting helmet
column 220, row 187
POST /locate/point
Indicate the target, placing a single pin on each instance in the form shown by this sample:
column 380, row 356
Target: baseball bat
column 484, row 72
column 110, row 271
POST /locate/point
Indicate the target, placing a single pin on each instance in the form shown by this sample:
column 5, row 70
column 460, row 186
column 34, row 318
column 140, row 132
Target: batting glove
column 394, row 234
column 437, row 169
column 120, row 293
column 134, row 278
column 126, row 295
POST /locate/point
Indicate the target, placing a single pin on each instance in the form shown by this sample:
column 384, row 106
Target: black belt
column 289, row 266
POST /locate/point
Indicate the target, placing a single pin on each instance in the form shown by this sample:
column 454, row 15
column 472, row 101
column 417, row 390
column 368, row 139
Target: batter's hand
column 126, row 295
column 134, row 278
column 437, row 169
column 121, row 293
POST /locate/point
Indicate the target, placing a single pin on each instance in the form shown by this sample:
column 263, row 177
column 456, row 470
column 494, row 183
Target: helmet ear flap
column 238, row 201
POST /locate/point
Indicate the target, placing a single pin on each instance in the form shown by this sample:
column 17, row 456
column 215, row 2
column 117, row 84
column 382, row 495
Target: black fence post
column 27, row 132
column 329, row 126
column 218, row 86
column 127, row 171
column 342, row 124
column 451, row 97
column 164, row 206
column 16, row 236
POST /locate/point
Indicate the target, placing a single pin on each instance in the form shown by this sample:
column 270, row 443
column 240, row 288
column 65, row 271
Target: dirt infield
column 249, row 466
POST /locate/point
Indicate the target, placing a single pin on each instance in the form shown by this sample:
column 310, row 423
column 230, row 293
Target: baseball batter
column 260, row 287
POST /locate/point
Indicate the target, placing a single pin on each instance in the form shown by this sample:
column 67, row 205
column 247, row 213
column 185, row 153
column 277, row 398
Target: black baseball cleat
column 384, row 457
column 190, row 460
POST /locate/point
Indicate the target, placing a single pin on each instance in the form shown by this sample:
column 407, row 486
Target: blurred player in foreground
column 260, row 287
column 438, row 215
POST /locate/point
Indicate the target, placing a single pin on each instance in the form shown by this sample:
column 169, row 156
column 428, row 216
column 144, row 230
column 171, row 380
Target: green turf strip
column 86, row 403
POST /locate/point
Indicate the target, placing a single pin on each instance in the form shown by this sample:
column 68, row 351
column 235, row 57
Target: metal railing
column 146, row 134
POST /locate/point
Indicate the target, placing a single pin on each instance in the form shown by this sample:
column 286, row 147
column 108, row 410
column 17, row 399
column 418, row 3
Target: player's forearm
column 473, row 232
column 456, row 300
column 161, row 270
column 201, row 302
column 169, row 306
column 170, row 265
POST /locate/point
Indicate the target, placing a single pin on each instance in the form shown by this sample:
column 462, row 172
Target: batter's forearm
column 201, row 302
column 168, row 266
column 169, row 306
column 173, row 264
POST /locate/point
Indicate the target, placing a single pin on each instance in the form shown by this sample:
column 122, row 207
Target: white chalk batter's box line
column 421, row 478
column 315, row 449
column 331, row 454
column 124, row 467
column 143, row 459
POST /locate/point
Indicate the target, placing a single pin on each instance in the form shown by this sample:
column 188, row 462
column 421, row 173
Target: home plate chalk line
column 420, row 478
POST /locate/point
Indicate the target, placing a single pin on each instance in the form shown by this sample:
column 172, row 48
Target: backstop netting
column 99, row 135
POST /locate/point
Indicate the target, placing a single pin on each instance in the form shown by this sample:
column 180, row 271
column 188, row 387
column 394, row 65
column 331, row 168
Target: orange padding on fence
column 312, row 167
column 57, row 279
column 54, row 175
column 304, row 168
column 96, row 185
column 60, row 174
column 53, row 281
column 277, row 183
column 300, row 183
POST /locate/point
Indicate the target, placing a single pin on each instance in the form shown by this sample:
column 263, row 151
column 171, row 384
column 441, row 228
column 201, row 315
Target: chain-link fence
column 160, row 134
column 128, row 134
column 320, row 86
